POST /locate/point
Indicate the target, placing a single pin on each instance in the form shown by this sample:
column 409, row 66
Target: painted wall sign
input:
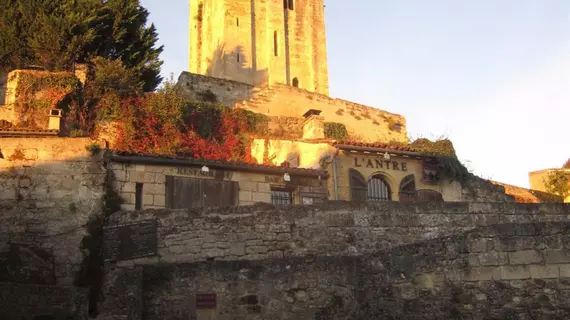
column 197, row 172
column 206, row 301
column 381, row 164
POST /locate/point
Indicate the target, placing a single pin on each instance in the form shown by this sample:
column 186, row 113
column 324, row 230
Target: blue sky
column 491, row 75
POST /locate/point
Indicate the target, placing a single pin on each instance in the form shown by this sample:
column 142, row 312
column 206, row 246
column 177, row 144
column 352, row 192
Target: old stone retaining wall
column 334, row 228
column 505, row 271
column 49, row 187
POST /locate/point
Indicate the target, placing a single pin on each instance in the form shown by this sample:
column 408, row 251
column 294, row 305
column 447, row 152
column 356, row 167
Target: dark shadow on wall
column 48, row 205
column 235, row 65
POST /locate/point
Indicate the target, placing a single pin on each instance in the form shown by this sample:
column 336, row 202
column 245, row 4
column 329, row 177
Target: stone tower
column 260, row 42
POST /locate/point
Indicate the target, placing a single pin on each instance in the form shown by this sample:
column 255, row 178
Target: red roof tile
column 378, row 145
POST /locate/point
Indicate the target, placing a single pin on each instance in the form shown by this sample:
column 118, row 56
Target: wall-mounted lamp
column 205, row 169
column 386, row 156
column 286, row 177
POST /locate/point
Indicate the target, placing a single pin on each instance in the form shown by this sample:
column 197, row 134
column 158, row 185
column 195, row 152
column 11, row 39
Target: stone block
column 137, row 176
column 245, row 196
column 481, row 274
column 261, row 197
column 544, row 272
column 455, row 207
column 149, row 177
column 263, row 187
column 159, row 200
column 493, row 258
column 525, row 257
column 557, row 256
column 564, row 270
column 128, row 207
column 237, row 249
column 148, row 199
column 128, row 198
column 480, row 245
column 159, row 178
column 514, row 272
column 129, row 187
column 248, row 186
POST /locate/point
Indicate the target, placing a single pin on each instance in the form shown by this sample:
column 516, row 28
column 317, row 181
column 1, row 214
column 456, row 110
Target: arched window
column 291, row 5
column 378, row 189
column 295, row 82
column 275, row 44
column 408, row 189
column 426, row 195
column 357, row 186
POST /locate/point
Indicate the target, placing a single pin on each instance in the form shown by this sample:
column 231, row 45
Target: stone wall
column 333, row 228
column 363, row 123
column 253, row 187
column 354, row 261
column 506, row 271
column 49, row 187
column 196, row 87
column 25, row 301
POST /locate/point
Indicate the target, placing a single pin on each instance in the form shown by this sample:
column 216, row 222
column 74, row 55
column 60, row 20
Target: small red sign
column 206, row 301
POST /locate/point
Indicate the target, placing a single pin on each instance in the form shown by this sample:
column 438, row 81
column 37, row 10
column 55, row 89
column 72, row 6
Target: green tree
column 558, row 182
column 55, row 34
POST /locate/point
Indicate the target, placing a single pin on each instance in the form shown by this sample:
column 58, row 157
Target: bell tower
column 260, row 42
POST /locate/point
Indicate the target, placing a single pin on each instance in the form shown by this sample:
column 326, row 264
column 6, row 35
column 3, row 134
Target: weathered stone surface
column 26, row 301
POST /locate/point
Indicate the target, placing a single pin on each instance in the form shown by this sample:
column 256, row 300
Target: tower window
column 238, row 57
column 288, row 4
column 295, row 82
column 237, row 22
column 275, row 44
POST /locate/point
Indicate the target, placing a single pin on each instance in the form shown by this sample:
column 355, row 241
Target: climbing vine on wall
column 444, row 152
column 195, row 129
column 38, row 92
column 336, row 131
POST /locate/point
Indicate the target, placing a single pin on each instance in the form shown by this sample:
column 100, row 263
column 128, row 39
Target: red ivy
column 142, row 131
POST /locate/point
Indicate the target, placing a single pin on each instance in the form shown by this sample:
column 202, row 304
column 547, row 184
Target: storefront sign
column 381, row 164
column 197, row 172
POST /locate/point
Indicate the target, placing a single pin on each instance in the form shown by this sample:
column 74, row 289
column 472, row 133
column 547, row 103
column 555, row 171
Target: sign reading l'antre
column 381, row 164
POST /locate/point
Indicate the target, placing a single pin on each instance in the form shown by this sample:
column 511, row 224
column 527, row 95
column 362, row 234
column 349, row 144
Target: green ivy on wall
column 336, row 131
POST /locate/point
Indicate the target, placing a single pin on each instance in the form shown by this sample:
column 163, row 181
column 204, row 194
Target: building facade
column 260, row 42
column 537, row 180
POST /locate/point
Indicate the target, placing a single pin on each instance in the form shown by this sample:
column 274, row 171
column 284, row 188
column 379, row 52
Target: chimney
column 314, row 126
column 54, row 119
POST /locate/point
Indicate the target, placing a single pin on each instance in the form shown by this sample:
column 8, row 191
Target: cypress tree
column 55, row 34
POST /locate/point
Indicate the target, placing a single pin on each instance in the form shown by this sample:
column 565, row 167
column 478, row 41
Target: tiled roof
column 28, row 132
column 377, row 145
column 176, row 160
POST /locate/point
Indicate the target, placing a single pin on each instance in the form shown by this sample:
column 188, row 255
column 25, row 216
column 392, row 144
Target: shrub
column 336, row 131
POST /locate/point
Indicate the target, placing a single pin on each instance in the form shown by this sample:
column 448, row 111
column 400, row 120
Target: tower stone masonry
column 260, row 42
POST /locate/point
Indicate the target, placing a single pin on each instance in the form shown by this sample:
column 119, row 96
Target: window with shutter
column 186, row 193
column 408, row 189
column 358, row 186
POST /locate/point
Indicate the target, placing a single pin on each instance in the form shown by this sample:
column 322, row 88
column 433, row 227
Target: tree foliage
column 558, row 182
column 55, row 34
